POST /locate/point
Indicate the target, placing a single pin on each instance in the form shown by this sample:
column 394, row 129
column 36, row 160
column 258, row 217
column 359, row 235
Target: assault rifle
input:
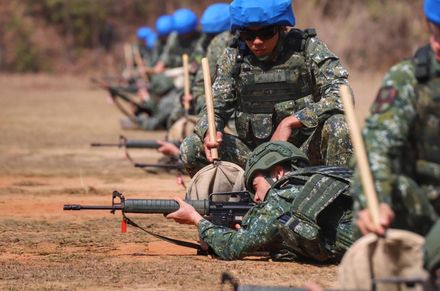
column 133, row 144
column 170, row 166
column 226, row 214
column 173, row 163
column 116, row 92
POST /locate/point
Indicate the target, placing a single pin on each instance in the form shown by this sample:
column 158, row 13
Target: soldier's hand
column 186, row 100
column 168, row 148
column 366, row 225
column 186, row 213
column 159, row 67
column 208, row 144
column 284, row 129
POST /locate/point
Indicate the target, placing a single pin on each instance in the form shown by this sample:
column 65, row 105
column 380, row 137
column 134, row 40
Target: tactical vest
column 427, row 123
column 267, row 93
column 308, row 229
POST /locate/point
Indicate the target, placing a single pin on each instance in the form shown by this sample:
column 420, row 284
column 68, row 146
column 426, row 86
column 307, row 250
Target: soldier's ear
column 277, row 172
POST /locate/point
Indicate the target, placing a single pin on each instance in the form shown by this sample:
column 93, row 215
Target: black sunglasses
column 263, row 34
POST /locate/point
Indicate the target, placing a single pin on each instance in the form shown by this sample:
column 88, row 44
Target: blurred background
column 77, row 36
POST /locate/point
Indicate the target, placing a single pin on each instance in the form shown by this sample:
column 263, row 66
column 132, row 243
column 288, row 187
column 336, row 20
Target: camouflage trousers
column 159, row 120
column 413, row 210
column 328, row 144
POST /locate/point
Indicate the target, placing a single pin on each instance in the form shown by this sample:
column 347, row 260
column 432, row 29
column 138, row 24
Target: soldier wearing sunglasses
column 282, row 84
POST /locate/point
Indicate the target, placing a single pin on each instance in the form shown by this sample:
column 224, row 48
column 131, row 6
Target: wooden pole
column 361, row 155
column 186, row 90
column 209, row 106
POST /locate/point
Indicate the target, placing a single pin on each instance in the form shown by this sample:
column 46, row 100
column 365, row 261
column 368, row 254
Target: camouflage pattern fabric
column 401, row 138
column 162, row 113
column 317, row 63
column 215, row 49
column 261, row 229
column 196, row 52
column 157, row 50
column 328, row 144
column 177, row 45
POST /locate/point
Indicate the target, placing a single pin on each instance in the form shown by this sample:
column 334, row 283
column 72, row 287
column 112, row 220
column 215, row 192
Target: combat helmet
column 216, row 18
column 143, row 32
column 432, row 11
column 245, row 13
column 164, row 25
column 185, row 21
column 268, row 154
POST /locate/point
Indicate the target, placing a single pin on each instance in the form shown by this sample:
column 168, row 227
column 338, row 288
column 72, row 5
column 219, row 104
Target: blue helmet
column 432, row 10
column 143, row 32
column 185, row 21
column 164, row 25
column 216, row 18
column 150, row 41
column 245, row 13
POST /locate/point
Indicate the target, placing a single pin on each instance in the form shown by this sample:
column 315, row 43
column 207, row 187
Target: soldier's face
column 261, row 187
column 261, row 40
column 435, row 39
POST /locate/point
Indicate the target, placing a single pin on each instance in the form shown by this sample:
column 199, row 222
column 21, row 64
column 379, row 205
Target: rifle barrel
column 98, row 144
column 91, row 207
column 177, row 166
column 134, row 144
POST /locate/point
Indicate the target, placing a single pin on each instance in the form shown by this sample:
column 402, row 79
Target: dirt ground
column 46, row 125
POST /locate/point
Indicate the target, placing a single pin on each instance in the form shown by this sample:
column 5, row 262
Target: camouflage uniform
column 302, row 78
column 157, row 50
column 164, row 98
column 196, row 53
column 292, row 220
column 213, row 53
column 176, row 46
column 403, row 143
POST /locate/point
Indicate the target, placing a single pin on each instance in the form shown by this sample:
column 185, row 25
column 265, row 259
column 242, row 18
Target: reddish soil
column 47, row 124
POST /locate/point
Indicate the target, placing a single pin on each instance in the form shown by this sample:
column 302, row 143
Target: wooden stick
column 128, row 56
column 186, row 90
column 361, row 155
column 209, row 106
column 139, row 62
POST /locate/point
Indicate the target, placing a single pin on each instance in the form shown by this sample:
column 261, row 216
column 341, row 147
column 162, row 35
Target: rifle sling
column 167, row 239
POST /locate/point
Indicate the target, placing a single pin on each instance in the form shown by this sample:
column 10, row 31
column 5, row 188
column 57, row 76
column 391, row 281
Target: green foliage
column 26, row 56
column 81, row 20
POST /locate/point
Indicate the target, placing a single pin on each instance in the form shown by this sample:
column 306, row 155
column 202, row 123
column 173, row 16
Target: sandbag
column 372, row 259
column 182, row 128
column 217, row 177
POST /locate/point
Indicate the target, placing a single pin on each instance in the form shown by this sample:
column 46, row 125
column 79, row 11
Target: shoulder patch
column 384, row 99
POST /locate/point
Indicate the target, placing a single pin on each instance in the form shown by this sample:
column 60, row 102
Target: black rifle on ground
column 171, row 166
column 227, row 213
column 173, row 163
column 134, row 144
column 116, row 93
